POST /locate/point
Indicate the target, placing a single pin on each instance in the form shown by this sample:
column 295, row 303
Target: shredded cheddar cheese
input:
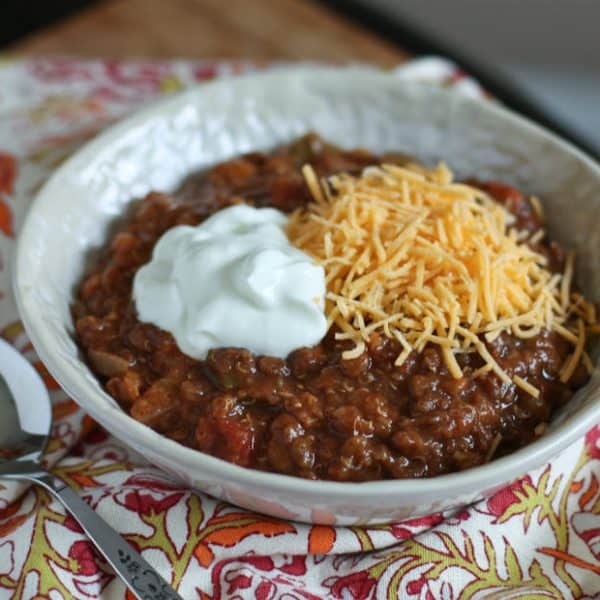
column 415, row 256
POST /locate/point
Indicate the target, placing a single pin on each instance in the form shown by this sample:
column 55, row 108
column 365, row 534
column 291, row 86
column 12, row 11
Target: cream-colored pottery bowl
column 158, row 147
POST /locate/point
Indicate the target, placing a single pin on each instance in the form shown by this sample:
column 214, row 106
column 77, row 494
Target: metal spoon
column 25, row 421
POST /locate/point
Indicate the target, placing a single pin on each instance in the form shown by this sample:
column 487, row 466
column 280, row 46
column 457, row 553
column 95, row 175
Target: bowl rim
column 491, row 474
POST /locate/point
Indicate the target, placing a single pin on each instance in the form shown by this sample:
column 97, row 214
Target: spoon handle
column 143, row 581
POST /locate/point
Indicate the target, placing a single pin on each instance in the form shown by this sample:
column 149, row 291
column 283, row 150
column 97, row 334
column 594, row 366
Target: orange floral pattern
column 538, row 538
column 8, row 172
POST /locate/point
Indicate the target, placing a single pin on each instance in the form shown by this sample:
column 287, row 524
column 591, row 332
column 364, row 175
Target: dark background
column 20, row 17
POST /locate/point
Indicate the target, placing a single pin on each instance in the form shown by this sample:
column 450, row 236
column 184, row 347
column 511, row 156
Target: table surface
column 253, row 29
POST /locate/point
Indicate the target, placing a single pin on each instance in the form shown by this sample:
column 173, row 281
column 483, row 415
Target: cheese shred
column 412, row 255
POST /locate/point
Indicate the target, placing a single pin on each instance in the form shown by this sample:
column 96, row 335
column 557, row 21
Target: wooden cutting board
column 255, row 29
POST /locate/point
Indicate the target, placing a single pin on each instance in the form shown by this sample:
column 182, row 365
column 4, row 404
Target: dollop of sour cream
column 234, row 280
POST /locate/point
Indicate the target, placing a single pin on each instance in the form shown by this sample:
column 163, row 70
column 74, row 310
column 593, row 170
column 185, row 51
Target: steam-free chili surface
column 313, row 415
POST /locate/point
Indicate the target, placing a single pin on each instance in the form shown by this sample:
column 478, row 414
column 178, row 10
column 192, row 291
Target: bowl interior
column 160, row 146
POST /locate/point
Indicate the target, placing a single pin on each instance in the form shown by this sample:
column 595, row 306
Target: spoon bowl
column 25, row 425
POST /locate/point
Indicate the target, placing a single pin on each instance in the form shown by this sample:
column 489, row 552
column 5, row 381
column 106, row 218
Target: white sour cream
column 234, row 280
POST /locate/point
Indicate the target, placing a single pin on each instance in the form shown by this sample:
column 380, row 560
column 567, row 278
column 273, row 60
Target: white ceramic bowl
column 158, row 147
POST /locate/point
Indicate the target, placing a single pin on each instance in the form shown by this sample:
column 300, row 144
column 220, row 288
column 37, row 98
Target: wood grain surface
column 255, row 29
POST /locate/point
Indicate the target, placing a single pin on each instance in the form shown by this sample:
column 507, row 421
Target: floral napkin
column 538, row 538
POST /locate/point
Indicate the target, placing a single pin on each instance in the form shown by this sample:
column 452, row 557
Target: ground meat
column 312, row 415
